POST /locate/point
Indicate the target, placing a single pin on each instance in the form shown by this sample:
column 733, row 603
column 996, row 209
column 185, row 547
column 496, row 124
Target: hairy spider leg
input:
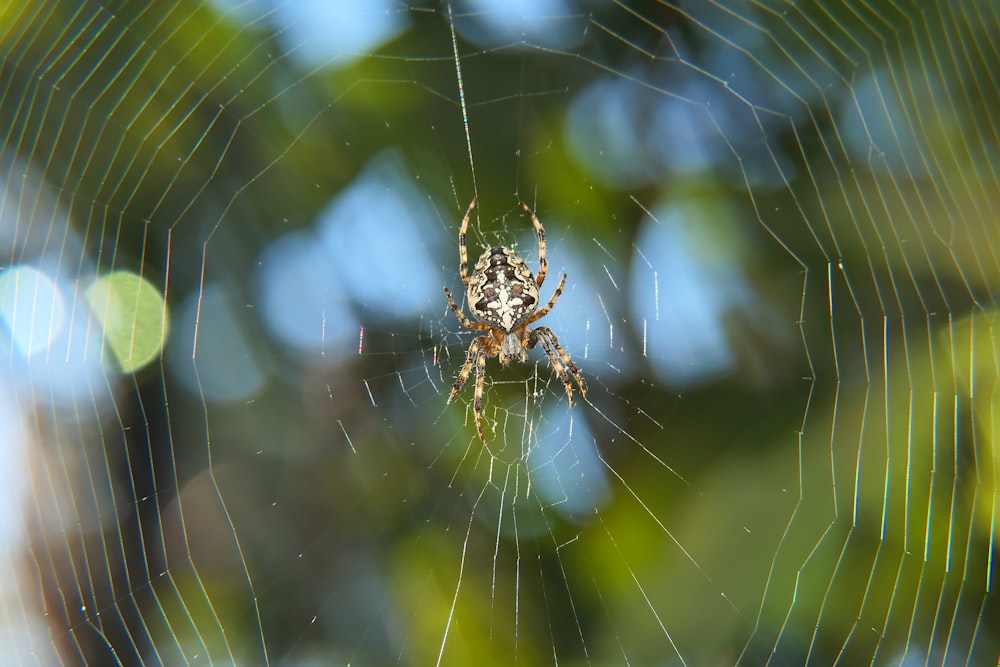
column 472, row 357
column 552, row 302
column 560, row 360
column 481, row 348
column 461, row 316
column 463, row 253
column 543, row 264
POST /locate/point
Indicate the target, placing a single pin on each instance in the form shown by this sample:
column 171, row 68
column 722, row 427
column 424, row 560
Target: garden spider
column 503, row 296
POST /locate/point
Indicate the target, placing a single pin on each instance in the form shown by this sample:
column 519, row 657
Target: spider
column 503, row 296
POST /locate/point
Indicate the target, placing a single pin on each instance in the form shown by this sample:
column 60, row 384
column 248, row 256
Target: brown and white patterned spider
column 503, row 296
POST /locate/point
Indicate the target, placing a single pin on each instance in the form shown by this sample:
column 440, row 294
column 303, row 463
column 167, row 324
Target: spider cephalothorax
column 503, row 296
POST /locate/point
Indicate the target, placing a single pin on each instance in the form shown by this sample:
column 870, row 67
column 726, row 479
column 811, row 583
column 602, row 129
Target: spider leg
column 476, row 357
column 463, row 253
column 560, row 360
column 543, row 264
column 461, row 316
column 552, row 302
column 473, row 357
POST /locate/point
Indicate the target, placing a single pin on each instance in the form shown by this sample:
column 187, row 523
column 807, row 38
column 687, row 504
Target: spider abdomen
column 502, row 290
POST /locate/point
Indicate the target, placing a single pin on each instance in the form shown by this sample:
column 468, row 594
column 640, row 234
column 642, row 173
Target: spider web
column 224, row 421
